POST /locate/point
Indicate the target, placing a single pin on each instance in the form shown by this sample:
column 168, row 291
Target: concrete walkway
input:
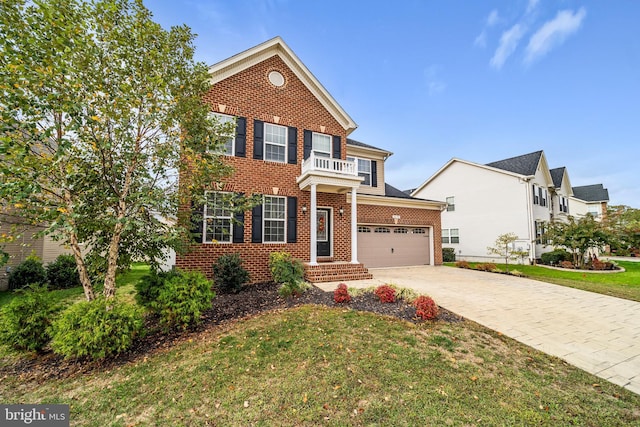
column 597, row 333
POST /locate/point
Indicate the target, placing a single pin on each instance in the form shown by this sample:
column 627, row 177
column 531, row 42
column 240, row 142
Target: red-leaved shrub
column 462, row 264
column 567, row 264
column 426, row 308
column 341, row 294
column 386, row 293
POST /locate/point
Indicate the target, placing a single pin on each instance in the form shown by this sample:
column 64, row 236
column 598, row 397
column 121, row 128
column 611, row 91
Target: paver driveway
column 597, row 333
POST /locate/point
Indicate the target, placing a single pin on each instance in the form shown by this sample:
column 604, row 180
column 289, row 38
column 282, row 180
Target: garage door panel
column 393, row 249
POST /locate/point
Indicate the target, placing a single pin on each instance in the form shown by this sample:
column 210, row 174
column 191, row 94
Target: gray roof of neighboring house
column 391, row 191
column 591, row 193
column 557, row 174
column 526, row 164
column 362, row 144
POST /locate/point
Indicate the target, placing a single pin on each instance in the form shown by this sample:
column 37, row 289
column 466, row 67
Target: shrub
column 149, row 286
column 229, row 275
column 183, row 298
column 28, row 272
column 448, row 255
column 294, row 289
column 406, row 294
column 426, row 308
column 486, row 266
column 96, row 329
column 516, row 273
column 462, row 264
column 567, row 264
column 341, row 294
column 285, row 268
column 385, row 293
column 63, row 273
column 25, row 321
column 555, row 257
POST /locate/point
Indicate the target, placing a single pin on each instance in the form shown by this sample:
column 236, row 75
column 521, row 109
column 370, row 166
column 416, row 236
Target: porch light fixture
column 304, row 209
column 341, row 211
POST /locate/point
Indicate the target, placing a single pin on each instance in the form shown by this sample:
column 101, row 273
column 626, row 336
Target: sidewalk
column 597, row 333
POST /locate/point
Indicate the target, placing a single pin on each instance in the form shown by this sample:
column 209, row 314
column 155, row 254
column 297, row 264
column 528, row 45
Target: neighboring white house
column 590, row 199
column 516, row 195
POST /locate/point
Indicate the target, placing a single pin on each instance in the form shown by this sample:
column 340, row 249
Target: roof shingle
column 591, row 193
column 526, row 164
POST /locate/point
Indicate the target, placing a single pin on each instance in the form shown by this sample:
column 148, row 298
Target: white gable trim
column 276, row 46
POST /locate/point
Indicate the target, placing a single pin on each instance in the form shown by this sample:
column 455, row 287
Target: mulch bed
column 251, row 301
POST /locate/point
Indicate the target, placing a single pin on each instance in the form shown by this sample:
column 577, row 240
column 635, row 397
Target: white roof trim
column 276, row 46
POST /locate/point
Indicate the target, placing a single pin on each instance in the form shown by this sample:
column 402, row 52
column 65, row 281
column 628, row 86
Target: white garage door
column 393, row 246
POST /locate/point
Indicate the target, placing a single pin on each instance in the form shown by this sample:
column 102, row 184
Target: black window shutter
column 374, row 173
column 258, row 139
column 293, row 146
column 238, row 225
column 197, row 214
column 308, row 144
column 337, row 148
column 292, row 219
column 241, row 137
column 256, row 224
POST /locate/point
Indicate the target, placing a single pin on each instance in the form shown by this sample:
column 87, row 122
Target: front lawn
column 622, row 285
column 315, row 365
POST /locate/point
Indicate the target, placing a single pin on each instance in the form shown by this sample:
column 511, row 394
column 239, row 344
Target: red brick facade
column 250, row 94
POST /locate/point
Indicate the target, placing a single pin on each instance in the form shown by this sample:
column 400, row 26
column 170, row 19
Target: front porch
column 335, row 271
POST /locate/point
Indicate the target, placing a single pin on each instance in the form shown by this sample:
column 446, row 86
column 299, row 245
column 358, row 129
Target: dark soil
column 249, row 302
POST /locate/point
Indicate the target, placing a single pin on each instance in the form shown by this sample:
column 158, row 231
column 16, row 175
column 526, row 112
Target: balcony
column 330, row 175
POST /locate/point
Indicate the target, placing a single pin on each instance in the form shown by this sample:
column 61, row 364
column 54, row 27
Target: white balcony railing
column 325, row 164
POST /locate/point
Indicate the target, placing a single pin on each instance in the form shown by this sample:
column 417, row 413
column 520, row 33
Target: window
column 536, row 198
column 274, row 215
column 227, row 140
column 382, row 230
column 451, row 204
column 321, row 144
column 217, row 218
column 594, row 211
column 362, row 229
column 401, row 231
column 275, row 143
column 364, row 169
column 419, row 231
column 450, row 235
column 564, row 204
column 539, row 225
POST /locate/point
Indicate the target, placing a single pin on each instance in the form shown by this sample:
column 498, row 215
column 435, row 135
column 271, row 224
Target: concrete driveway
column 597, row 333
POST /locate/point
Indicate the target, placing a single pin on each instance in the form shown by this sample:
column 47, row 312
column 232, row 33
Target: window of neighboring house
column 451, row 204
column 593, row 211
column 321, row 144
column 217, row 218
column 564, row 204
column 450, row 235
column 364, row 169
column 542, row 198
column 274, row 214
column 275, row 143
column 227, row 139
column 536, row 198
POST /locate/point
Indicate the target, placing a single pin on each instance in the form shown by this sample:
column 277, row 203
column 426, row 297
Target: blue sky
column 480, row 81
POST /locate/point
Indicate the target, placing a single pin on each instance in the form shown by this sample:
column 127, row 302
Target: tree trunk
column 82, row 269
column 112, row 261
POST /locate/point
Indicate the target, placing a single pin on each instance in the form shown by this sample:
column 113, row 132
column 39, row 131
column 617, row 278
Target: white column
column 314, row 225
column 354, row 227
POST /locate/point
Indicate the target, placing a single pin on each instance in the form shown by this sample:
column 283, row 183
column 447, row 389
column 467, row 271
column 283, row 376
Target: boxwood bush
column 63, row 273
column 149, row 286
column 556, row 257
column 29, row 272
column 228, row 274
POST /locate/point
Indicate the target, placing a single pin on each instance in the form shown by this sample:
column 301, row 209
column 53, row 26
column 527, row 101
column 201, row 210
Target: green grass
column 622, row 285
column 321, row 366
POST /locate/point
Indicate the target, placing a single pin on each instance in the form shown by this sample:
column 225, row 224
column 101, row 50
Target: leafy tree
column 101, row 110
column 623, row 222
column 578, row 236
column 505, row 248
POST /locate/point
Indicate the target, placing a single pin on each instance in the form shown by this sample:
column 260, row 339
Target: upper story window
column 364, row 169
column 450, row 235
column 227, row 139
column 321, row 144
column 217, row 218
column 563, row 204
column 275, row 143
column 274, row 219
column 451, row 204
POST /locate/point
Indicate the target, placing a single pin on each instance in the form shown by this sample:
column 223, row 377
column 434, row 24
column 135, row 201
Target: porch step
column 335, row 272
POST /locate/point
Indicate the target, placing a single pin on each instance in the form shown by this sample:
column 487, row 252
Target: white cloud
column 481, row 40
column 508, row 44
column 435, row 84
column 554, row 33
column 532, row 5
column 493, row 18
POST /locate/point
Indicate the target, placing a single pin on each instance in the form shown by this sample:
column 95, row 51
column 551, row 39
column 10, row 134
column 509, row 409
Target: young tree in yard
column 504, row 247
column 623, row 222
column 577, row 236
column 101, row 109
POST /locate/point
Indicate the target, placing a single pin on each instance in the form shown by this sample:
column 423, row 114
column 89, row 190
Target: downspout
column 532, row 246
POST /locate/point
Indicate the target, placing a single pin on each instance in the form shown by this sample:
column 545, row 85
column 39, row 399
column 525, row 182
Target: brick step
column 335, row 272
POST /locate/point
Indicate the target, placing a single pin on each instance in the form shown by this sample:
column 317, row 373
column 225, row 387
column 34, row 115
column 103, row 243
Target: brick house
column 324, row 196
